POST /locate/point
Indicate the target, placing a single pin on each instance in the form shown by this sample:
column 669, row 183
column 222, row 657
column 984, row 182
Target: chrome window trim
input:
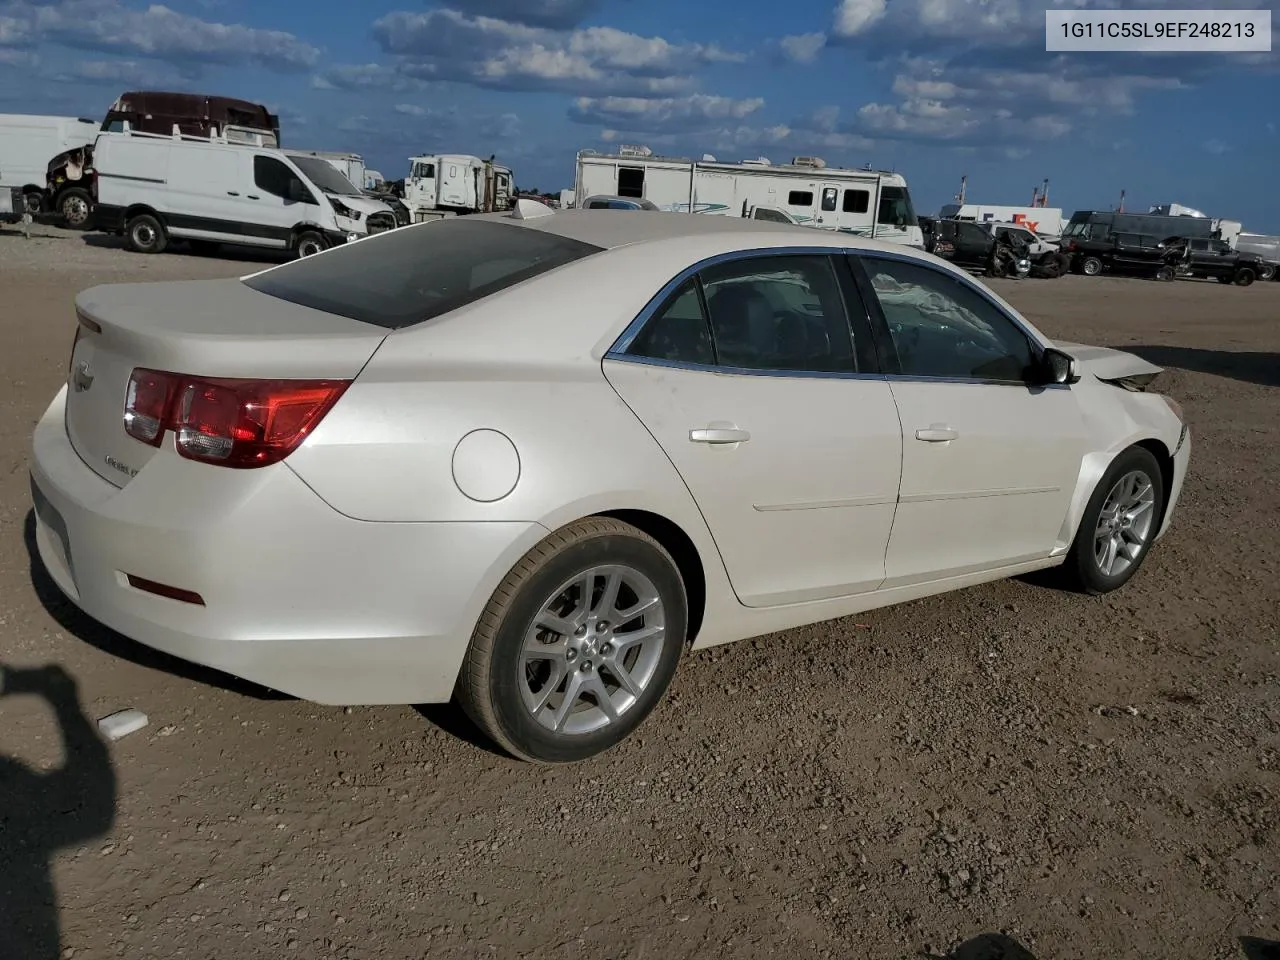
column 618, row 351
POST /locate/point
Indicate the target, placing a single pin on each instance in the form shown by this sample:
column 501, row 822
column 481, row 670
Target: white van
column 207, row 191
column 29, row 142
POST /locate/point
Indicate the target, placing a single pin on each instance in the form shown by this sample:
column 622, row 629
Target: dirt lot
column 1088, row 777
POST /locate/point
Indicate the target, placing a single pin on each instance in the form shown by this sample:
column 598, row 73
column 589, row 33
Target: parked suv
column 1132, row 254
column 1217, row 260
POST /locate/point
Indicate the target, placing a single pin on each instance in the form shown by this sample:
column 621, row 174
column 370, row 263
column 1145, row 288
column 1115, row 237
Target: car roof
column 611, row 229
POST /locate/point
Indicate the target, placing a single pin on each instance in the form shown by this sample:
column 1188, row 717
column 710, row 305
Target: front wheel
column 145, row 234
column 76, row 207
column 309, row 244
column 34, row 201
column 1091, row 266
column 1244, row 276
column 1119, row 524
column 578, row 643
column 1267, row 272
column 1166, row 273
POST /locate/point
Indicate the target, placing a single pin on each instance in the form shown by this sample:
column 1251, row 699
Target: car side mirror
column 1057, row 367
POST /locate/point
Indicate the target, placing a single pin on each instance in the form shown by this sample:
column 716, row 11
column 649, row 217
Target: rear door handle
column 254, row 196
column 232, row 193
column 937, row 433
column 718, row 435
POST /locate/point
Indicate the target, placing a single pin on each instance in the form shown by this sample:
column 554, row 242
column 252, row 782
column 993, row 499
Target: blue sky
column 932, row 88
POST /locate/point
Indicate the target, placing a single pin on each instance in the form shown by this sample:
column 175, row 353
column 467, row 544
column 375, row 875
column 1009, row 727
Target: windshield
column 410, row 275
column 325, row 176
column 895, row 208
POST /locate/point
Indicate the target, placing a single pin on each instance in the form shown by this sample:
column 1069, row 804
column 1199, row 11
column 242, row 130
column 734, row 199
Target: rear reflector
column 234, row 423
column 164, row 590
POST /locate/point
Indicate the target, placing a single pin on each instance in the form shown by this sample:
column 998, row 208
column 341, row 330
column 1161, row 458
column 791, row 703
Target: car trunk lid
column 207, row 328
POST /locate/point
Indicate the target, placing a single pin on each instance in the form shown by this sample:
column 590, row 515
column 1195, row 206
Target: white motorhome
column 29, row 142
column 208, row 190
column 1046, row 222
column 455, row 183
column 871, row 203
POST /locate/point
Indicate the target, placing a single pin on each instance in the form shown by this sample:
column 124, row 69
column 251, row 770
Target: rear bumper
column 297, row 597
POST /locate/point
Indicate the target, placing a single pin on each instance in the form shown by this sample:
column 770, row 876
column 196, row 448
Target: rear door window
column 416, row 273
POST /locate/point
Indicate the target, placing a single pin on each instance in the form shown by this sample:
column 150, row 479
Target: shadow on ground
column 215, row 251
column 42, row 811
column 1261, row 368
column 1255, row 949
column 83, row 627
column 986, row 946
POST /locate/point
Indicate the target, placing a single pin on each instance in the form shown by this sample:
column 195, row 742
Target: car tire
column 146, row 234
column 1108, row 551
column 1244, row 276
column 1267, row 272
column 1166, row 274
column 518, row 697
column 75, row 206
column 309, row 244
column 34, row 202
column 1091, row 266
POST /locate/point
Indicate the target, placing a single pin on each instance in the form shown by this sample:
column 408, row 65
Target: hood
column 365, row 205
column 1108, row 364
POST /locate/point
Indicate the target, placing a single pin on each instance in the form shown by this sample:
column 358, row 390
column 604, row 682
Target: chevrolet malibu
column 527, row 460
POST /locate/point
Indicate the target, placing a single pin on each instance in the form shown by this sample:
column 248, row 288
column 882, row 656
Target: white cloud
column 683, row 113
column 1216, row 147
column 366, row 76
column 18, row 58
column 156, row 31
column 803, row 47
column 853, row 17
column 542, row 13
column 447, row 45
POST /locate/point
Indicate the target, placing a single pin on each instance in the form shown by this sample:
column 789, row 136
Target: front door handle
column 232, row 193
column 937, row 433
column 719, row 435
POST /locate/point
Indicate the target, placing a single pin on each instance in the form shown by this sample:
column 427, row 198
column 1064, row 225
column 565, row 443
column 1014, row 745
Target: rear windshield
column 416, row 273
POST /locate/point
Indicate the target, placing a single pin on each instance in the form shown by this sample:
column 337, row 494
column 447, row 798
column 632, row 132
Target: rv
column 209, row 190
column 865, row 202
column 451, row 184
column 69, row 176
column 1045, row 222
column 28, row 143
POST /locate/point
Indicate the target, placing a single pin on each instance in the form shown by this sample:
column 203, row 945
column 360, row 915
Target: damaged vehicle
column 1216, row 260
column 1133, row 255
column 376, row 440
column 977, row 246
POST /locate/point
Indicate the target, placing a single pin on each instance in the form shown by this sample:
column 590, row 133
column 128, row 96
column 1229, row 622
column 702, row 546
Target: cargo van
column 153, row 188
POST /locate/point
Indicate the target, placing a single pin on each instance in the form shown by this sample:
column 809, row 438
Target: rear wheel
column 1166, row 274
column 1244, row 276
column 34, row 201
column 75, row 206
column 1091, row 266
column 145, row 234
column 578, row 643
column 309, row 244
column 1119, row 524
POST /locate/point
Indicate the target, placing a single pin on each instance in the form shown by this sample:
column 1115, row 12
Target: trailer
column 1265, row 246
column 1045, row 222
column 870, row 203
column 451, row 184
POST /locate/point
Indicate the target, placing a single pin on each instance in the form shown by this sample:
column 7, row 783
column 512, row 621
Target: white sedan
column 527, row 460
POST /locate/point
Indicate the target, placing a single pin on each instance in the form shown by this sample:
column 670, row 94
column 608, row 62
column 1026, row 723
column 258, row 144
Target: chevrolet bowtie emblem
column 82, row 379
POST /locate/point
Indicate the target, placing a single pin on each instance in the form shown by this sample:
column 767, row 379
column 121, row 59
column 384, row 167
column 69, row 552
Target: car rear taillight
column 234, row 423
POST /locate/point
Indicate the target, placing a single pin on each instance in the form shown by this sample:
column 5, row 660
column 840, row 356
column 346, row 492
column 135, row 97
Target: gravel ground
column 1004, row 768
